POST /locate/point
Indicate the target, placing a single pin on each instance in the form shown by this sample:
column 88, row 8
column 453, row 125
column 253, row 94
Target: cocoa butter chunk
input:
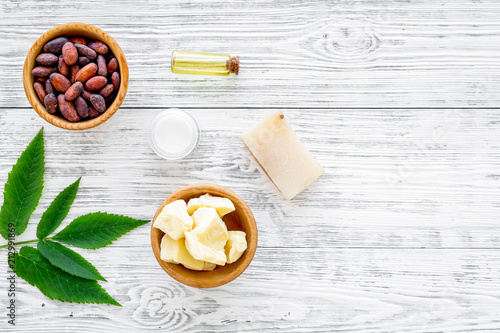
column 55, row 46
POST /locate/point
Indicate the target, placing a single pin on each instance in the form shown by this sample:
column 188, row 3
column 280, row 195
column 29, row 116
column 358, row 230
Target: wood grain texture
column 399, row 235
column 398, row 100
column 291, row 290
column 318, row 53
column 394, row 178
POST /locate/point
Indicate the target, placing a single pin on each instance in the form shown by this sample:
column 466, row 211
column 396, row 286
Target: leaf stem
column 25, row 242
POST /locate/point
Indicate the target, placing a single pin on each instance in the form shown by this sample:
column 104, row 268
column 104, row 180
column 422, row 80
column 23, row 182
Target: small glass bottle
column 204, row 63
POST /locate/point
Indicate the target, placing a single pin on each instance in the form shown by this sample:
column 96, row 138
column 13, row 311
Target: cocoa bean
column 112, row 66
column 92, row 113
column 109, row 100
column 83, row 61
column 62, row 66
column 46, row 59
column 73, row 70
column 106, row 91
column 85, row 51
column 67, row 109
column 115, row 80
column 81, row 107
column 96, row 83
column 85, row 94
column 55, row 45
column 40, row 91
column 59, row 82
column 101, row 65
column 73, row 91
column 86, row 72
column 48, row 87
column 98, row 46
column 78, row 40
column 42, row 71
column 70, row 54
column 41, row 79
column 50, row 103
column 98, row 103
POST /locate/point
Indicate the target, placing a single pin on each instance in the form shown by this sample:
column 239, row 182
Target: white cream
column 173, row 134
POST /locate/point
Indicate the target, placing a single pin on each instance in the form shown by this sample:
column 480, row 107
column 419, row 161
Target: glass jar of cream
column 173, row 134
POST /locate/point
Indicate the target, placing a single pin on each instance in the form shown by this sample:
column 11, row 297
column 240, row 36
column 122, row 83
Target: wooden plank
column 295, row 54
column 291, row 290
column 394, row 178
column 399, row 235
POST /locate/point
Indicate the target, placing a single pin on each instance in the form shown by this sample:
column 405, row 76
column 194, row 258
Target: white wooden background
column 398, row 100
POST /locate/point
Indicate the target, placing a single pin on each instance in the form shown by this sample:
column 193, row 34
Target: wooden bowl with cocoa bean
column 75, row 76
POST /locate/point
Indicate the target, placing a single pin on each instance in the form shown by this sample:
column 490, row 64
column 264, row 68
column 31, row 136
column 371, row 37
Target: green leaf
column 68, row 260
column 96, row 230
column 56, row 283
column 23, row 188
column 57, row 211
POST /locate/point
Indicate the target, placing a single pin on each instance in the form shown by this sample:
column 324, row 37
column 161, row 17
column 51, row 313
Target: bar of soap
column 283, row 157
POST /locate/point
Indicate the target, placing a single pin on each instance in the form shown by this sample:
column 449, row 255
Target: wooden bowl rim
column 28, row 79
column 242, row 263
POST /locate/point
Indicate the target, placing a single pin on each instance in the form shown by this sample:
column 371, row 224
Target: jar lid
column 173, row 134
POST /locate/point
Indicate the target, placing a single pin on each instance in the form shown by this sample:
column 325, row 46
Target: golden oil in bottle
column 204, row 63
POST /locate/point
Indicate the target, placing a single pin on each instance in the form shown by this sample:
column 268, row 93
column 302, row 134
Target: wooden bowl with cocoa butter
column 41, row 58
column 241, row 219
